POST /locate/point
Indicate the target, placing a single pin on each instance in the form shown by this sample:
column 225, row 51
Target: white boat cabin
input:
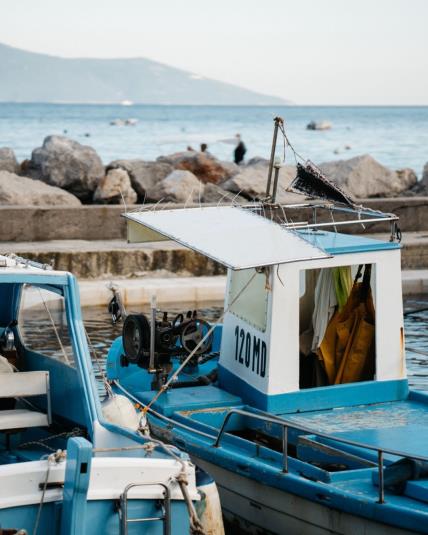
column 284, row 290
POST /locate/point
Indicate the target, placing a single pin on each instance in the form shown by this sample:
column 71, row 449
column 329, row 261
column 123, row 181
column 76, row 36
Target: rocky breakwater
column 189, row 176
column 363, row 177
column 63, row 171
column 20, row 190
column 67, row 164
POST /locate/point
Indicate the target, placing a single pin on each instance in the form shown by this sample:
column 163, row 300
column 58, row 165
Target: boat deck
column 399, row 425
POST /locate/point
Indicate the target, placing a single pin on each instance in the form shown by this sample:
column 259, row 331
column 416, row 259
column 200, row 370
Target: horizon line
column 285, row 105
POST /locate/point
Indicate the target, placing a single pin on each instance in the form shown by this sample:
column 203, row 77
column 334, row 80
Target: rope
column 159, row 415
column 67, row 360
column 418, row 351
column 415, row 311
column 196, row 527
column 106, row 384
column 149, row 447
column 188, row 358
column 76, row 432
column 56, row 458
column 287, row 141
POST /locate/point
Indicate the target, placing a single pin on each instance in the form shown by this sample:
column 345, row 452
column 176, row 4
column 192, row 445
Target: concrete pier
column 198, row 290
column 103, row 222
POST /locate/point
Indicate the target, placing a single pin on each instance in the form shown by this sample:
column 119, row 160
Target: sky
column 328, row 52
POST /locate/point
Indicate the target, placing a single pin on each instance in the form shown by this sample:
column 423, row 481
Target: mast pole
column 277, row 121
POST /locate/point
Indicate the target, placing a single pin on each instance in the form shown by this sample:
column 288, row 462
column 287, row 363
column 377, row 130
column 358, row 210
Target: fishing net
column 310, row 181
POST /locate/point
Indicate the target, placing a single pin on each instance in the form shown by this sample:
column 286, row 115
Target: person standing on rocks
column 240, row 150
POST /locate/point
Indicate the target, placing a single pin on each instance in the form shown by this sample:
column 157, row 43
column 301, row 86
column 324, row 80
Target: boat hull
column 256, row 508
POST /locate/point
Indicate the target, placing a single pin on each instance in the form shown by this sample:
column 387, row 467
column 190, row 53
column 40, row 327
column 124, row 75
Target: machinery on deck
column 153, row 344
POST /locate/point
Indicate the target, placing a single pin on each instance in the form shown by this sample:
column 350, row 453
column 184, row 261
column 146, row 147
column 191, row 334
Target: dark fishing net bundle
column 310, row 181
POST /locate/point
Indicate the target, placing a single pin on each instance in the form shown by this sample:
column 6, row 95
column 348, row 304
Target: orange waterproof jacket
column 348, row 348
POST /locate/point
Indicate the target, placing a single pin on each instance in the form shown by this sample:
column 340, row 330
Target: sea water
column 395, row 136
column 41, row 337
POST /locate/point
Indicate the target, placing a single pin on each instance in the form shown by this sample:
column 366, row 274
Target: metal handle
column 380, row 474
column 166, row 517
column 285, row 424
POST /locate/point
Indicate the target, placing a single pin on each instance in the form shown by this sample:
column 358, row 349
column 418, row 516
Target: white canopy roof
column 235, row 237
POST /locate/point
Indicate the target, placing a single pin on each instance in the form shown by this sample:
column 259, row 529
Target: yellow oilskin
column 347, row 349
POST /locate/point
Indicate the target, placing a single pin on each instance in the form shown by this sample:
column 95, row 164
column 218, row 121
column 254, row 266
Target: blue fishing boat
column 296, row 400
column 71, row 463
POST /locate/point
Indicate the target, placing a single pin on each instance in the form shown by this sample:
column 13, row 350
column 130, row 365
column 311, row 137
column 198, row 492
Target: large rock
column 215, row 194
column 252, row 180
column 202, row 164
column 179, row 186
column 420, row 188
column 20, row 190
column 145, row 176
column 424, row 179
column 115, row 185
column 407, row 176
column 67, row 164
column 8, row 160
column 257, row 160
column 363, row 177
column 231, row 168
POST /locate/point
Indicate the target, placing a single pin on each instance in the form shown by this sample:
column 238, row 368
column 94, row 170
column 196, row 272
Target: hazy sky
column 309, row 51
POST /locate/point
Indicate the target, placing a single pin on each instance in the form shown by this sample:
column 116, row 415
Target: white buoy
column 119, row 410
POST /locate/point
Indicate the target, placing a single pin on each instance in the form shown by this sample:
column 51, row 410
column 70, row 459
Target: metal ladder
column 165, row 505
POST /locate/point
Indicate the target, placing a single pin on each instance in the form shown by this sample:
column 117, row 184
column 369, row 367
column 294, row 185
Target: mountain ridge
column 34, row 77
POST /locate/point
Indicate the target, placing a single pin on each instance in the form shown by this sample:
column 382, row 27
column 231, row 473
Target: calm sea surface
column 396, row 136
column 40, row 335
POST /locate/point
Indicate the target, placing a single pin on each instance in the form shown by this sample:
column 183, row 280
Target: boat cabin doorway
column 337, row 325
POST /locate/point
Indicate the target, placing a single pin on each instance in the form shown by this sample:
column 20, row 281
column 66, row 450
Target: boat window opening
column 251, row 305
column 50, row 337
column 337, row 325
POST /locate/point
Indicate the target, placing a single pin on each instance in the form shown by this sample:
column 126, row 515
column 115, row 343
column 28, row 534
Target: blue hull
column 340, row 478
column 101, row 515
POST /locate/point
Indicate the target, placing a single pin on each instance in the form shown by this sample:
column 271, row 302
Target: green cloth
column 342, row 284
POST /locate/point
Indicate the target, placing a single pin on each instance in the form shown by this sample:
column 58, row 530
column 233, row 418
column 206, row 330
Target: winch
column 153, row 344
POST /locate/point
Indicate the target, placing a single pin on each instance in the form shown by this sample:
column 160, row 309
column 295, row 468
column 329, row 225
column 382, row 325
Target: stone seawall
column 116, row 258
column 103, row 222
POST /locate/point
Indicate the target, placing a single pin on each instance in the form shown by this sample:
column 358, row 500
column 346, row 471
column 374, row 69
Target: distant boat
column 126, row 103
column 124, row 122
column 318, row 125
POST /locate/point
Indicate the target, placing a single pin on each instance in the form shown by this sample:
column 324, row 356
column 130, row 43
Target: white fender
column 119, row 410
column 209, row 508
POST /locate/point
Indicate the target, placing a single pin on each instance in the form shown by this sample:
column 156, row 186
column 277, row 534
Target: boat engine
column 154, row 344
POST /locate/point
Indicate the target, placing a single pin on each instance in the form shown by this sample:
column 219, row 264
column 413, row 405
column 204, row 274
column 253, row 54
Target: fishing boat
column 70, row 462
column 296, row 400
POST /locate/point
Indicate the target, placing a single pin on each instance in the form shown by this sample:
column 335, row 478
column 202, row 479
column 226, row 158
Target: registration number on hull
column 250, row 351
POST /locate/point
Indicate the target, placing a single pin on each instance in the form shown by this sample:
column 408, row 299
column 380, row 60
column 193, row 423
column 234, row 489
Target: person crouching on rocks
column 240, row 150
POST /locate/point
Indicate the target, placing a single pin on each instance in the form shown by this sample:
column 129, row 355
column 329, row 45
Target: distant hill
column 31, row 77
